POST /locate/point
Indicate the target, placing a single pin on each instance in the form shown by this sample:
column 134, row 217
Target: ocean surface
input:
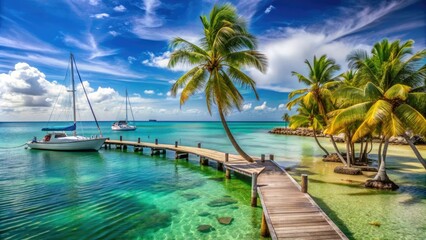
column 114, row 194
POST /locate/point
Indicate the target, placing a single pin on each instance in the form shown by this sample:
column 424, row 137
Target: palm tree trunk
column 231, row 137
column 415, row 150
column 379, row 154
column 316, row 139
column 348, row 150
column 337, row 151
column 381, row 174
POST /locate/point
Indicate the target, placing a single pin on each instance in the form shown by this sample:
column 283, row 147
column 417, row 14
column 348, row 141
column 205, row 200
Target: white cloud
column 160, row 94
column 172, row 81
column 260, row 107
column 113, row 33
column 94, row 2
column 282, row 106
column 100, row 15
column 264, row 107
column 162, row 60
column 89, row 44
column 269, row 9
column 247, row 106
column 288, row 48
column 131, row 59
column 120, row 8
column 149, row 92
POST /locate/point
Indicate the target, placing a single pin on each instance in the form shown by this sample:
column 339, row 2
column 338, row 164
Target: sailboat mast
column 126, row 105
column 73, row 93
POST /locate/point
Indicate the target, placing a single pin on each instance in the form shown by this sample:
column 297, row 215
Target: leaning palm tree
column 216, row 63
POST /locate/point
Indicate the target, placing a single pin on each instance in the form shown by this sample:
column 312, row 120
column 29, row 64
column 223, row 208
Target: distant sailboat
column 124, row 125
column 57, row 139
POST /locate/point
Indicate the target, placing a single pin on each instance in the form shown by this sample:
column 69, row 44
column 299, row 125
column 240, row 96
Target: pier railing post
column 176, row 144
column 254, row 189
column 264, row 231
column 139, row 140
column 227, row 171
column 121, row 138
column 304, row 187
column 156, row 141
column 271, row 156
column 262, row 157
column 199, row 145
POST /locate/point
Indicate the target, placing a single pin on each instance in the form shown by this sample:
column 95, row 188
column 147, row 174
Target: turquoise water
column 113, row 194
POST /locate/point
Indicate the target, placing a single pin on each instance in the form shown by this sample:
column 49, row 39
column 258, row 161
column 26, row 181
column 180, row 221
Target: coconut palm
column 390, row 112
column 286, row 119
column 308, row 117
column 393, row 63
column 320, row 82
column 216, row 64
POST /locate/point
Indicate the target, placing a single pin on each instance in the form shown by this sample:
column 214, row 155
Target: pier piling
column 254, row 189
column 304, row 185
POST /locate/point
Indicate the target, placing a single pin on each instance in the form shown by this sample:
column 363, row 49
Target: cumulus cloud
column 100, row 15
column 94, row 2
column 247, row 106
column 264, row 107
column 269, row 9
column 120, row 8
column 113, row 33
column 25, row 86
column 162, row 60
column 149, row 92
column 282, row 106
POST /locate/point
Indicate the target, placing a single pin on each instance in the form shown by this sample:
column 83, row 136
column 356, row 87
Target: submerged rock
column 347, row 170
column 205, row 228
column 190, row 196
column 384, row 185
column 204, row 214
column 225, row 220
column 221, row 202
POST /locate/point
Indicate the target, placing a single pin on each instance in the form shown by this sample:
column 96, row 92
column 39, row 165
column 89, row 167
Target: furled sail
column 67, row 128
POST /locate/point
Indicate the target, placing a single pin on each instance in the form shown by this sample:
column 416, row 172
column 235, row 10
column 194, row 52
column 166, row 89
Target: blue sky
column 121, row 44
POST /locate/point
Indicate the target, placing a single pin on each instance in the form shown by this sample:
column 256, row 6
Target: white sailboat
column 124, row 125
column 56, row 138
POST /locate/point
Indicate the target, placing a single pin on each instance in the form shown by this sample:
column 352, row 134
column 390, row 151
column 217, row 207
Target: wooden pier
column 288, row 210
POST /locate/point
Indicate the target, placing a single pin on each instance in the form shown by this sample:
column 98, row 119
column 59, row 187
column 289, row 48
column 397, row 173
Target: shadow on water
column 331, row 214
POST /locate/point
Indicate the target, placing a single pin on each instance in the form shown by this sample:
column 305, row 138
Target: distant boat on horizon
column 123, row 125
column 152, row 120
column 56, row 138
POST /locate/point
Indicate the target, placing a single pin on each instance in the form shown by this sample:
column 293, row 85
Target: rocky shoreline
column 306, row 132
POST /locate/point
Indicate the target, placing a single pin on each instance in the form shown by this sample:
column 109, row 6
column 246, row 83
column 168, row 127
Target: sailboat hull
column 72, row 145
column 120, row 128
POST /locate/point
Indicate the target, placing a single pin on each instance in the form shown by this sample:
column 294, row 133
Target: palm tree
column 389, row 112
column 390, row 103
column 320, row 83
column 216, row 64
column 286, row 119
column 308, row 117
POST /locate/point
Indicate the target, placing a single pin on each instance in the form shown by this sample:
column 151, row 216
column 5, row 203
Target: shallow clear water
column 113, row 194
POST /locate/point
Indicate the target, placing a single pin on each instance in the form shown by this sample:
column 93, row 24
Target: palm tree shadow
column 334, row 217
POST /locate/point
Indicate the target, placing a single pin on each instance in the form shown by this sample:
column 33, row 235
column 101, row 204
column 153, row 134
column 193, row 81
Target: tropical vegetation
column 381, row 96
column 216, row 64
